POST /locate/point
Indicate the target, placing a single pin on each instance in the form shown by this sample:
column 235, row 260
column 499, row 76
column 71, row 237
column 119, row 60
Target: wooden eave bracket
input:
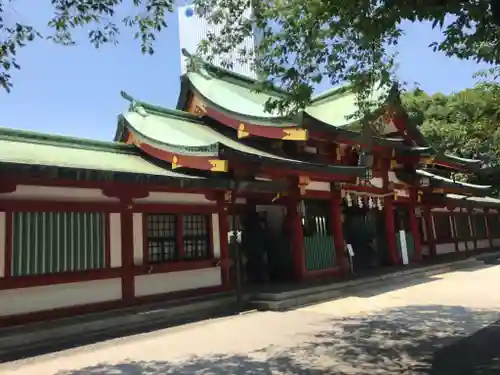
column 295, row 134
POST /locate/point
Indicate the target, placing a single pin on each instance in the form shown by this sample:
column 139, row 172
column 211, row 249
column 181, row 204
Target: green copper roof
column 451, row 182
column 337, row 107
column 469, row 163
column 235, row 98
column 29, row 148
column 236, row 95
column 172, row 132
column 20, row 150
column 181, row 132
column 334, row 109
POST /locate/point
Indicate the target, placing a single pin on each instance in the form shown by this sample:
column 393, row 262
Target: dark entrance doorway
column 263, row 244
column 364, row 230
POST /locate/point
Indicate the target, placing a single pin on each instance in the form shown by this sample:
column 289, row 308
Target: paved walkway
column 403, row 330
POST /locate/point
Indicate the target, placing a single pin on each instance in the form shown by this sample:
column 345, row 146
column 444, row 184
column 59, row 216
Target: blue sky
column 76, row 90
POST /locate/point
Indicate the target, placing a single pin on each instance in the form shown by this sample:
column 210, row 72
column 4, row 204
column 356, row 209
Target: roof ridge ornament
column 133, row 102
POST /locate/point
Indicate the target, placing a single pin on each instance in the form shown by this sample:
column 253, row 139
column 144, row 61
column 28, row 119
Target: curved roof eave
column 479, row 201
column 335, row 108
column 269, row 121
column 209, row 150
column 468, row 163
column 450, row 181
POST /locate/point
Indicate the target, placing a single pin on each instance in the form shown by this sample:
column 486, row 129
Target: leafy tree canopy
column 303, row 42
column 463, row 124
column 306, row 42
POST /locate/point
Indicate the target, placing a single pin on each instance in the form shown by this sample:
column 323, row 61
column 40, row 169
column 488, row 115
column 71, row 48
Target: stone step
column 306, row 296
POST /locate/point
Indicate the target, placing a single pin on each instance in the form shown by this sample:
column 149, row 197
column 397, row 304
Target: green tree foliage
column 463, row 124
column 303, row 42
column 306, row 42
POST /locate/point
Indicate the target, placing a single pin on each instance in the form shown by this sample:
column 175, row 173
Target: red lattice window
column 173, row 237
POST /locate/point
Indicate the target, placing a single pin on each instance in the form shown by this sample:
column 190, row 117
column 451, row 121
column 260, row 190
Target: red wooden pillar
column 390, row 230
column 127, row 239
column 417, row 241
column 429, row 229
column 225, row 261
column 337, row 232
column 294, row 221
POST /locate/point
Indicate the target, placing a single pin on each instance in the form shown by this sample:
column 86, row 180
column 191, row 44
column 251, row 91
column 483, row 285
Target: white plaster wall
column 177, row 281
column 482, row 244
column 216, row 235
column 58, row 194
column 2, row 244
column 49, row 297
column 115, row 240
column 461, row 246
column 175, row 198
column 425, row 250
column 318, row 186
column 138, row 238
column 445, row 248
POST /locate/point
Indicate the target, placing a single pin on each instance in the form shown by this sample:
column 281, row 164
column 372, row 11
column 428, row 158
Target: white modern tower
column 193, row 29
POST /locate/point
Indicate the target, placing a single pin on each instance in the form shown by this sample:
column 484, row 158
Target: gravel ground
column 441, row 325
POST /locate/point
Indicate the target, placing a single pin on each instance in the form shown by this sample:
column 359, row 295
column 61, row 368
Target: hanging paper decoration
column 370, row 203
column 348, row 200
column 380, row 203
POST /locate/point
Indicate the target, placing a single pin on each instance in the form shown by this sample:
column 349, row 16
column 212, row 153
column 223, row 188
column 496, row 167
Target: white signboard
column 350, row 250
column 404, row 247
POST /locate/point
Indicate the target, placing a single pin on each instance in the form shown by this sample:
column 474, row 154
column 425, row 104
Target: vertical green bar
column 39, row 244
column 96, row 239
column 70, row 235
column 31, row 233
column 24, row 233
column 84, row 248
column 14, row 270
column 90, row 235
column 17, row 256
column 79, row 242
column 23, row 249
column 101, row 225
column 63, row 241
column 55, row 225
column 48, row 252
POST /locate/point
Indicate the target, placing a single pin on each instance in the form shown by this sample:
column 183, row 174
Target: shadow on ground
column 435, row 340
